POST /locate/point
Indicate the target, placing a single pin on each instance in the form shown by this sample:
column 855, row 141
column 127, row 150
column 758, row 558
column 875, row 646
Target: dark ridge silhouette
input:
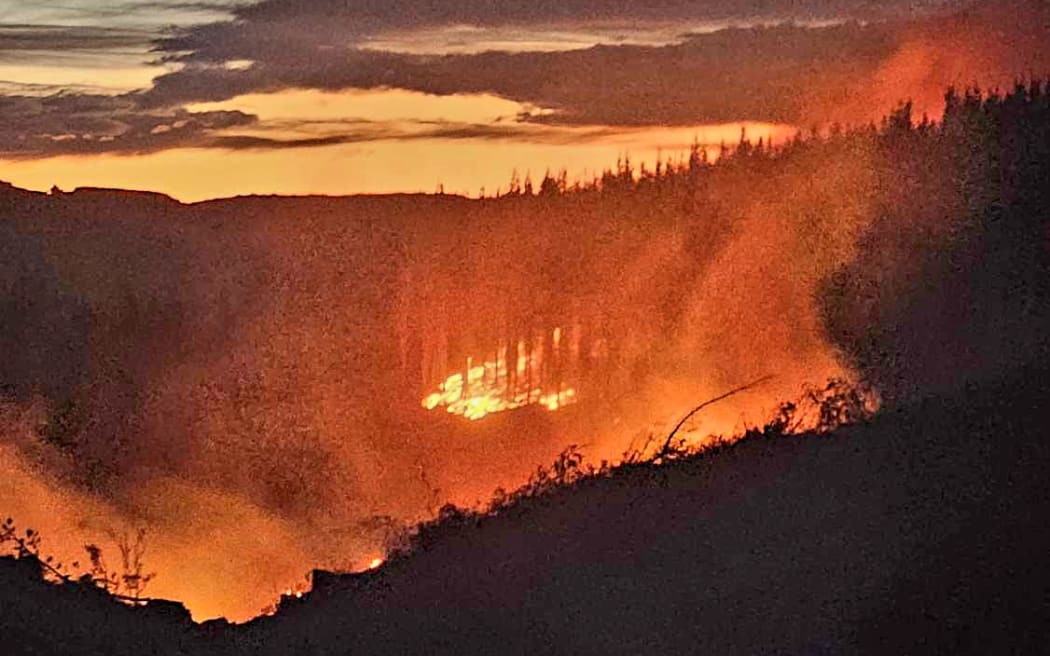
column 38, row 617
column 11, row 193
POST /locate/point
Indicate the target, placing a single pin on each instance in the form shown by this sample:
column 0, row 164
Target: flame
column 375, row 563
column 492, row 387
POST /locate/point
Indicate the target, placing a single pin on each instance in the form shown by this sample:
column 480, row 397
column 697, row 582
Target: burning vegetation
column 516, row 377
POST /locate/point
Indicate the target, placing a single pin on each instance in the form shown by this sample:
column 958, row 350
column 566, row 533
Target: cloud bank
column 847, row 72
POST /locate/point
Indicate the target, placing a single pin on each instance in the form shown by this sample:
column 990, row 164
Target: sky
column 224, row 97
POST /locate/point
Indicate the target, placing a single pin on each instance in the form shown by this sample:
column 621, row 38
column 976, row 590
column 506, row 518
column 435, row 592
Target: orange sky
column 107, row 94
column 462, row 165
column 376, row 140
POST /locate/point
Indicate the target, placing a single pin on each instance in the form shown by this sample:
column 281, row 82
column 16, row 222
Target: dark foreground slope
column 922, row 532
column 38, row 617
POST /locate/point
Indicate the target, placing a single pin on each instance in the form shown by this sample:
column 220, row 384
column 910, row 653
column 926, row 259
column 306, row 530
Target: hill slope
column 918, row 533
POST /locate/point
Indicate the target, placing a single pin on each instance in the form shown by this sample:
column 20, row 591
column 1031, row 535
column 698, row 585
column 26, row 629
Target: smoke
column 993, row 44
column 212, row 549
column 253, row 369
column 753, row 311
column 249, row 373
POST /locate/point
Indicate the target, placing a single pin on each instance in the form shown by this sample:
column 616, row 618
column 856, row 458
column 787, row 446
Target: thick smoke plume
column 244, row 377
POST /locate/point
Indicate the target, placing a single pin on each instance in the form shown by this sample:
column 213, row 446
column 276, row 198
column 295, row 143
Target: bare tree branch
column 743, row 388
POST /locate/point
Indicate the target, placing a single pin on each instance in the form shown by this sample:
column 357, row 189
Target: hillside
column 251, row 379
column 919, row 532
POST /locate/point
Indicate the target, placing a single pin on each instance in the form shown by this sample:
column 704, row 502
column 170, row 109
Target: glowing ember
column 374, row 563
column 493, row 386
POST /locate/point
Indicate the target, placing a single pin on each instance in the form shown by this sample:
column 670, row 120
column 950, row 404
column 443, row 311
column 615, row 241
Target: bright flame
column 493, row 387
column 375, row 563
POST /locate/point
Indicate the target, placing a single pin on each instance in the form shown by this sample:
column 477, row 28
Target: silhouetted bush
column 820, row 410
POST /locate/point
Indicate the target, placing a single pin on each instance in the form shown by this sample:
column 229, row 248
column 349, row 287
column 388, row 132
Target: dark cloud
column 370, row 16
column 788, row 73
column 60, row 39
column 274, row 26
column 367, row 134
column 290, row 134
column 62, row 124
column 254, row 142
column 73, row 124
column 142, row 14
column 848, row 72
column 756, row 74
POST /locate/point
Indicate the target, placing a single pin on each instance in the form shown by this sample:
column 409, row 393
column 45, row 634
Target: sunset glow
column 450, row 103
column 395, row 142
